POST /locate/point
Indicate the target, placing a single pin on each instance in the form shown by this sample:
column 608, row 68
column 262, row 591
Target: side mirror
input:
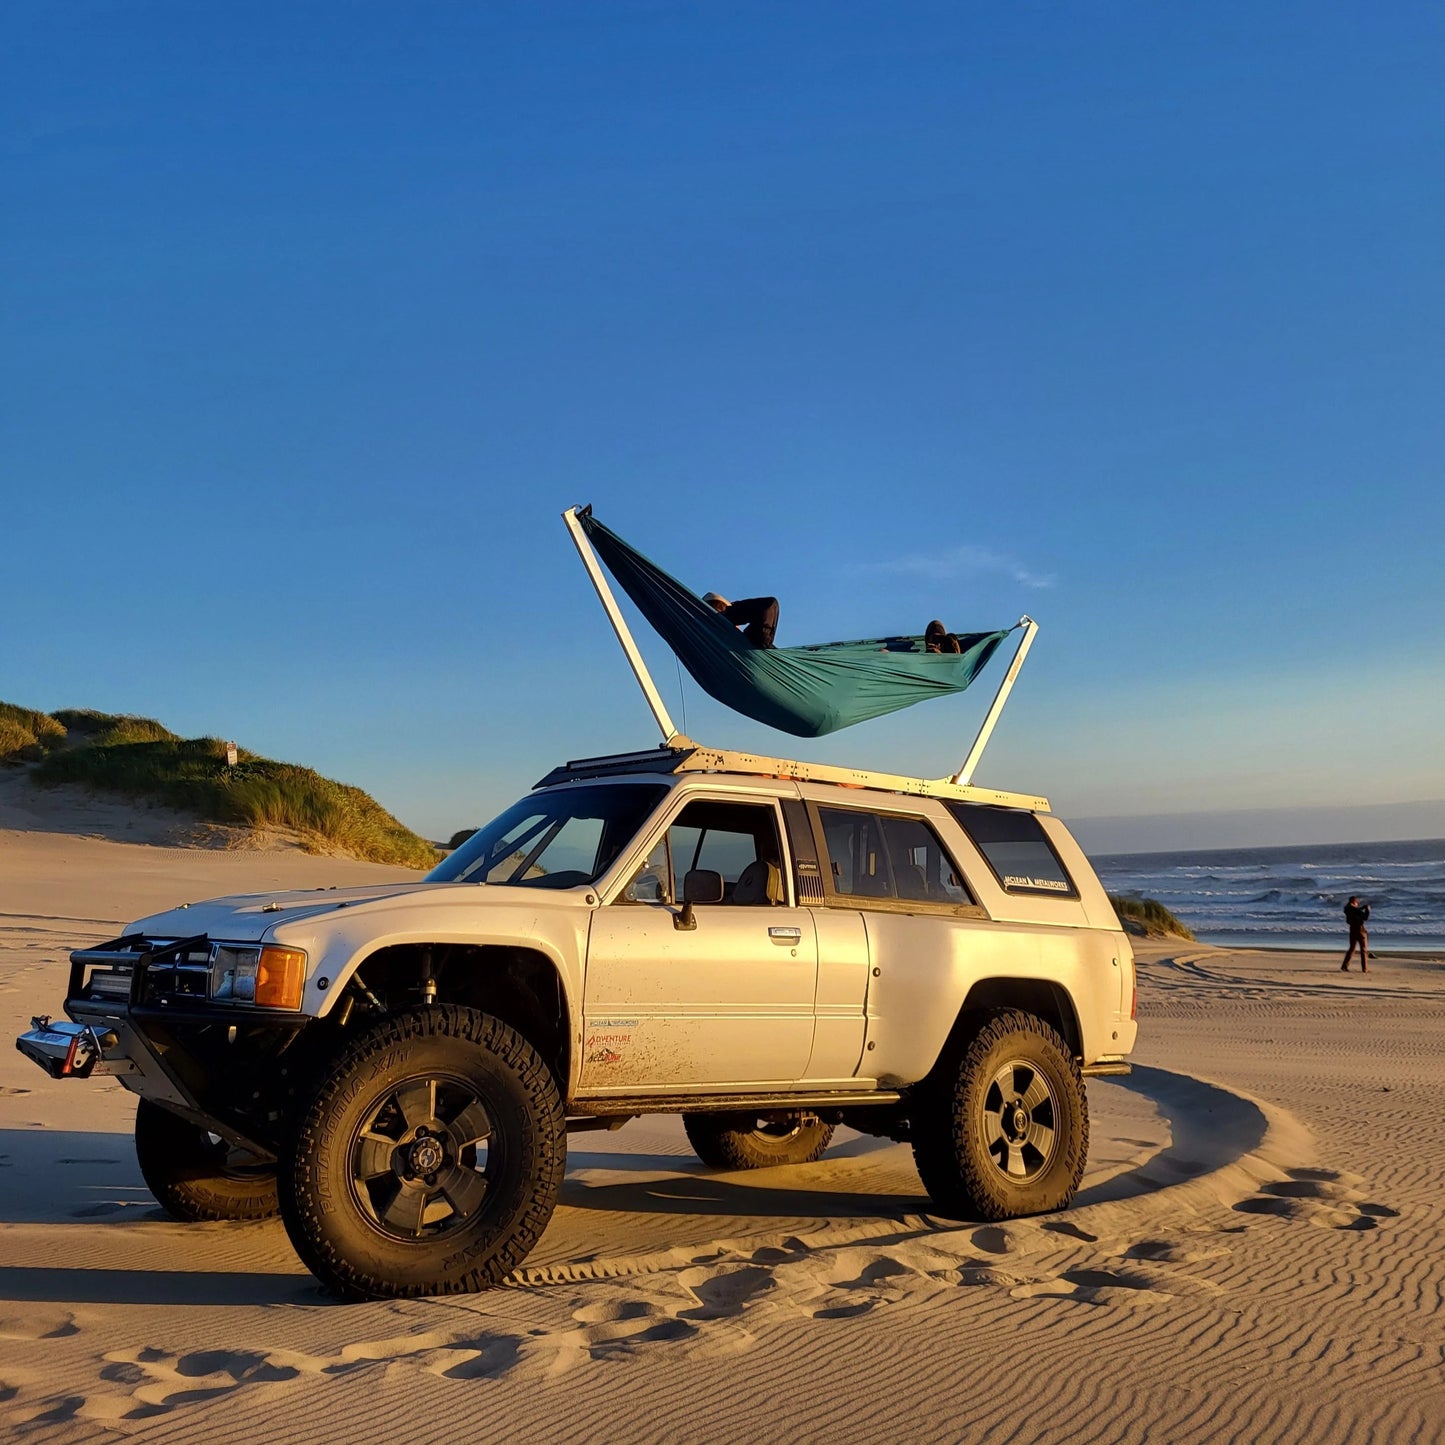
column 702, row 885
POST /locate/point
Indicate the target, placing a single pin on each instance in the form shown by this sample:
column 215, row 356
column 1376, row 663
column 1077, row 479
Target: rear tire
column 429, row 1160
column 743, row 1141
column 195, row 1175
column 1005, row 1131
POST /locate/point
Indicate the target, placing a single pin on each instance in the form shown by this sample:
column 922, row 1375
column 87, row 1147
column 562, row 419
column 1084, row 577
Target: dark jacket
column 1356, row 914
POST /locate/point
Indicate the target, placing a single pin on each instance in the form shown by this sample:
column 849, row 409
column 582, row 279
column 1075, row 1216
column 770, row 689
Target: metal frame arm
column 670, row 734
column 965, row 773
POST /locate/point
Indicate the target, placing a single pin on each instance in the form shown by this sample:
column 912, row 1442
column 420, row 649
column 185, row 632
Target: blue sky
column 315, row 317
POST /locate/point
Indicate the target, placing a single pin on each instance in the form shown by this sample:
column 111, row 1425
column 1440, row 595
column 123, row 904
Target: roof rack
column 958, row 786
column 682, row 755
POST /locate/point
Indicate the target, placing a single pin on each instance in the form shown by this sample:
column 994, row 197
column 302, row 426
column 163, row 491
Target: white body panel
column 844, row 992
column 729, row 1002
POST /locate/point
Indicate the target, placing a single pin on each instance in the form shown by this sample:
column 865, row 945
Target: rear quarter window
column 1016, row 848
column 890, row 856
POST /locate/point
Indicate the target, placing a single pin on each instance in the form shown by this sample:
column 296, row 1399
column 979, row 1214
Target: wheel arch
column 1042, row 997
column 521, row 985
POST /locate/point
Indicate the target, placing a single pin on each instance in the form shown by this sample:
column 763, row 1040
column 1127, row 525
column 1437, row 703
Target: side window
column 652, row 883
column 922, row 870
column 738, row 841
column 1016, row 847
column 855, row 853
column 885, row 856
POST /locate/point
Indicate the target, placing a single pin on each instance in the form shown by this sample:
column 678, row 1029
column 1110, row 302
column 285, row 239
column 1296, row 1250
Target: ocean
column 1293, row 897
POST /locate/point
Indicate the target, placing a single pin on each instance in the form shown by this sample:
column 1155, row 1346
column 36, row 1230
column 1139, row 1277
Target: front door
column 728, row 1002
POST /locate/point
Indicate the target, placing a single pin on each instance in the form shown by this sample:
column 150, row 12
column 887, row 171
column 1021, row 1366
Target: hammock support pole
column 965, row 773
column 670, row 735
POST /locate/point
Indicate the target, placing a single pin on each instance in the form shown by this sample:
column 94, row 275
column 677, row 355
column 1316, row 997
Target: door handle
column 786, row 935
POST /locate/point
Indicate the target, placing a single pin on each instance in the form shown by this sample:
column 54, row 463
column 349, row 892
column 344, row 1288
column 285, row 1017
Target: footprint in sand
column 1106, row 1279
column 870, row 1281
column 614, row 1325
column 8, row 1091
column 1163, row 1251
column 993, row 1239
column 61, row 1411
column 724, row 1296
column 1062, row 1226
column 612, row 1311
column 159, row 1388
column 46, row 1325
column 488, row 1357
column 1093, row 1286
column 123, row 1372
column 1323, row 1197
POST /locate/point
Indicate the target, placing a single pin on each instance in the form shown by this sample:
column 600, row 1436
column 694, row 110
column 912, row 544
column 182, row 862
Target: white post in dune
column 965, row 773
column 670, row 734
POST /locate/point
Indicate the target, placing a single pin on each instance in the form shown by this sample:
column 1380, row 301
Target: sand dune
column 1258, row 1250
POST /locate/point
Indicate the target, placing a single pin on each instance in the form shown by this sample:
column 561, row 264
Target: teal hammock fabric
column 806, row 691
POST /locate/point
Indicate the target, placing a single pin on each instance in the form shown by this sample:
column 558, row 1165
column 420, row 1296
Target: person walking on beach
column 1357, row 914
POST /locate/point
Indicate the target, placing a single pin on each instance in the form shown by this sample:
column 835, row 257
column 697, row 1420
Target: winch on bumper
column 67, row 1050
column 147, row 1011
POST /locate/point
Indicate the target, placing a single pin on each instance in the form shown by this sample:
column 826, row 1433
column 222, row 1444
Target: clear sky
column 316, row 316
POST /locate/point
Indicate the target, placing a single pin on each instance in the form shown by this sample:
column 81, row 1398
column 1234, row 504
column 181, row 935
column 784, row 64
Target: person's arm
column 757, row 616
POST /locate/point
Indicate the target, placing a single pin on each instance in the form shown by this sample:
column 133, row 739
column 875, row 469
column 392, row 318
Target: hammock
column 806, row 691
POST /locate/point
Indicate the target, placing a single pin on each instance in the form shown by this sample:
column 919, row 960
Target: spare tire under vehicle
column 745, row 1141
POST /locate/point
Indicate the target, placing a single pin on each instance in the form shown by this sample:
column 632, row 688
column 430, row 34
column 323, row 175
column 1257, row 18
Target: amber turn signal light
column 280, row 974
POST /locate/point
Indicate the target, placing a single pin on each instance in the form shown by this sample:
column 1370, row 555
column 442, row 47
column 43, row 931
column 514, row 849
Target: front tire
column 1005, row 1132
column 429, row 1161
column 744, row 1141
column 195, row 1175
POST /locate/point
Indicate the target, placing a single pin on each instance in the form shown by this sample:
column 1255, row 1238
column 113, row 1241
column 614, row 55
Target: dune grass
column 141, row 758
column 1151, row 915
column 105, row 729
column 27, row 735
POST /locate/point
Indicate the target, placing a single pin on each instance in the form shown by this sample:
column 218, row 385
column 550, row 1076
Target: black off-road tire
column 743, row 1141
column 429, row 1160
column 1004, row 1129
column 195, row 1175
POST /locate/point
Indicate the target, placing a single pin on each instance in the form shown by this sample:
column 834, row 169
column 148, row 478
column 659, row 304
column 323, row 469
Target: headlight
column 268, row 976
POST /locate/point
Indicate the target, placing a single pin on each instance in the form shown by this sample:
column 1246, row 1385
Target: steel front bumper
column 139, row 1016
column 68, row 1051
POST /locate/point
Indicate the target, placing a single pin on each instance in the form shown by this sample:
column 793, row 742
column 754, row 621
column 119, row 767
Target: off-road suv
column 770, row 949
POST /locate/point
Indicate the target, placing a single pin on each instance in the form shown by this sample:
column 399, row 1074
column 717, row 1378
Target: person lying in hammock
column 757, row 616
column 938, row 638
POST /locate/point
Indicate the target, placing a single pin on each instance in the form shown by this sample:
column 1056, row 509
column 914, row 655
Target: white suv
column 768, row 948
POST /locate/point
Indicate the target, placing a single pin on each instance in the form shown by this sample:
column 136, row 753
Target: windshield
column 553, row 840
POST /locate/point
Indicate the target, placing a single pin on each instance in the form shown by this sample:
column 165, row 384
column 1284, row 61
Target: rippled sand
column 1257, row 1253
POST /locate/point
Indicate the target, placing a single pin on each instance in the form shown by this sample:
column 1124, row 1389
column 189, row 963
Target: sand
column 1257, row 1252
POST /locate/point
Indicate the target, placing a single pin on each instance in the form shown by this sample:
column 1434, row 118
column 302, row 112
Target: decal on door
column 608, row 1040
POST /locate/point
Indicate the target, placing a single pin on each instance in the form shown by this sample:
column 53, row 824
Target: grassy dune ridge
column 1151, row 916
column 27, row 735
column 143, row 759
